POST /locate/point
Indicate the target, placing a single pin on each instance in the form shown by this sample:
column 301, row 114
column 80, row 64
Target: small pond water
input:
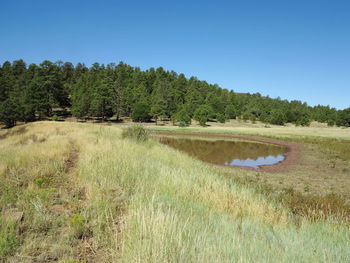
column 228, row 153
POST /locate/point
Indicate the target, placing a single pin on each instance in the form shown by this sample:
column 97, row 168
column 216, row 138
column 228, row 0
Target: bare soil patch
column 72, row 159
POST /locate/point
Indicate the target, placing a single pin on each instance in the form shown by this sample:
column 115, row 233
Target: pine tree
column 36, row 99
column 141, row 112
column 203, row 114
column 9, row 113
column 102, row 101
column 183, row 117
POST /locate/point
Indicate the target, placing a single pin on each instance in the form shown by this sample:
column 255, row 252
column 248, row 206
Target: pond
column 228, row 152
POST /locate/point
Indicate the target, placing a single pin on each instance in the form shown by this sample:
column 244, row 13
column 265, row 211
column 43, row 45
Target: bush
column 263, row 117
column 220, row 117
column 135, row 132
column 182, row 124
column 277, row 117
column 55, row 117
column 303, row 121
column 42, row 181
column 331, row 123
column 183, row 117
column 141, row 112
column 252, row 118
column 77, row 223
column 245, row 116
column 202, row 114
column 230, row 112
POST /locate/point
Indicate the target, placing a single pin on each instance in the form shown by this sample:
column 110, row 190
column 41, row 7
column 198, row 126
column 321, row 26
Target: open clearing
column 75, row 192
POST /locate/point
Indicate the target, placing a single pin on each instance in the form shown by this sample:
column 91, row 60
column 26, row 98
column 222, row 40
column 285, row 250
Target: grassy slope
column 140, row 203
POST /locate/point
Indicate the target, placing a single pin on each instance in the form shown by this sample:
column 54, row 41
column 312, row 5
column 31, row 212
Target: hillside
column 75, row 192
column 57, row 90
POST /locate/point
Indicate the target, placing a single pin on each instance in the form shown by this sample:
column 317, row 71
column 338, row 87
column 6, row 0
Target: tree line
column 34, row 92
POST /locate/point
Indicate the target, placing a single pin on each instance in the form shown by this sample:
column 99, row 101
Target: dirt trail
column 72, row 160
column 292, row 149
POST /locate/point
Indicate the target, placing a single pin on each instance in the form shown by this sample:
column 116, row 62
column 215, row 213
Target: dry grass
column 88, row 195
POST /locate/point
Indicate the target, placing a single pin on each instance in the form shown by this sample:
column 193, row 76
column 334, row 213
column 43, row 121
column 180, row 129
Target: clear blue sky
column 295, row 49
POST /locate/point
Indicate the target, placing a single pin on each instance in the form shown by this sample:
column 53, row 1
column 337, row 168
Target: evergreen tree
column 6, row 81
column 277, row 117
column 9, row 113
column 99, row 91
column 158, row 110
column 36, row 99
column 102, row 102
column 183, row 117
column 202, row 114
column 141, row 112
column 230, row 112
column 81, row 97
column 220, row 117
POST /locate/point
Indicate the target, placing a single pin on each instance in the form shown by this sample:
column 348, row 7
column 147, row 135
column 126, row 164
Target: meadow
column 73, row 192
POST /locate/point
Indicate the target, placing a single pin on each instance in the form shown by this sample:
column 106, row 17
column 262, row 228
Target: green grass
column 124, row 201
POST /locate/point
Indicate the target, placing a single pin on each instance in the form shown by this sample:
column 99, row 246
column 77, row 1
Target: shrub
column 77, row 223
column 263, row 117
column 42, row 181
column 331, row 123
column 245, row 116
column 55, row 117
column 183, row 117
column 303, row 121
column 252, row 118
column 278, row 117
column 182, row 124
column 230, row 112
column 135, row 132
column 220, row 117
column 203, row 113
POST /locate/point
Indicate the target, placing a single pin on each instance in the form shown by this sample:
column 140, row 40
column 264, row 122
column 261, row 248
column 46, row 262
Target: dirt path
column 72, row 160
column 292, row 149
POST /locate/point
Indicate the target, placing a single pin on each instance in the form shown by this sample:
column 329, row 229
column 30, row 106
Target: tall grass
column 132, row 202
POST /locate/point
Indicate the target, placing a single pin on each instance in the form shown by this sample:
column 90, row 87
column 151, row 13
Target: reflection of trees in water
column 221, row 151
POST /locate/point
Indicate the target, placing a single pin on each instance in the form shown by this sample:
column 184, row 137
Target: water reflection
column 228, row 153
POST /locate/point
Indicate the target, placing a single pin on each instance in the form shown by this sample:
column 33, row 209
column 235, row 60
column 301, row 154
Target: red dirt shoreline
column 292, row 155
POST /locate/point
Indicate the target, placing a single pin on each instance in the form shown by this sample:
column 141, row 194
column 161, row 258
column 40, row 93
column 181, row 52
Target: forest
column 55, row 89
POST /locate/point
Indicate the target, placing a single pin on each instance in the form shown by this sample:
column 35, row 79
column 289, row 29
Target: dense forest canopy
column 29, row 93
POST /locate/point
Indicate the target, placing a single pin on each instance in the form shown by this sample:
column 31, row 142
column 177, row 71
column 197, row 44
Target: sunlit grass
column 288, row 131
column 143, row 202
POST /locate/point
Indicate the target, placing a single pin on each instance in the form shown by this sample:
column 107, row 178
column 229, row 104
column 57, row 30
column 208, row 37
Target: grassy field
column 324, row 165
column 74, row 192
